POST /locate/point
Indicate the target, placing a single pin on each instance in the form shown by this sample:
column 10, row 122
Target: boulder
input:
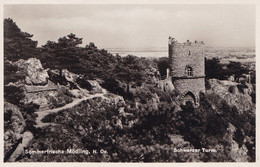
column 166, row 85
column 237, row 154
column 76, row 93
column 69, row 76
column 115, row 99
column 14, row 125
column 40, row 98
column 95, row 87
column 47, row 99
column 154, row 102
column 32, row 68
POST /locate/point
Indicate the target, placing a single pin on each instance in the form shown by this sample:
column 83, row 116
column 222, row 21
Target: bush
column 13, row 94
column 214, row 69
column 232, row 89
column 29, row 108
column 241, row 87
column 84, row 84
column 113, row 85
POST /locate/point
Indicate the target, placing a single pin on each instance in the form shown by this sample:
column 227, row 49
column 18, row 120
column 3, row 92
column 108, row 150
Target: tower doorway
column 189, row 97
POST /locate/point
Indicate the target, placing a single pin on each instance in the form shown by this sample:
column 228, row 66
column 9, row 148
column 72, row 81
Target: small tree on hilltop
column 17, row 44
column 61, row 54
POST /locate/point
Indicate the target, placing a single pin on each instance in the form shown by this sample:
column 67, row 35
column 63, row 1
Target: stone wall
column 187, row 54
column 193, row 85
column 180, row 58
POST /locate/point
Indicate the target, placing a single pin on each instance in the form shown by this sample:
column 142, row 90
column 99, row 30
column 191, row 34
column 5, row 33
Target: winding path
column 28, row 136
column 42, row 114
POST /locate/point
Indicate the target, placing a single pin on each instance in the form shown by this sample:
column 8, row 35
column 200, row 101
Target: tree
column 130, row 70
column 10, row 73
column 214, row 69
column 13, row 94
column 236, row 68
column 61, row 54
column 17, row 44
column 163, row 64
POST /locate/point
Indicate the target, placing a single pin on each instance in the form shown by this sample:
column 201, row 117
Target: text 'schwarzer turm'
column 187, row 69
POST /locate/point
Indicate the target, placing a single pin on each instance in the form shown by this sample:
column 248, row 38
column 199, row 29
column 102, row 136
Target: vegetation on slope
column 147, row 128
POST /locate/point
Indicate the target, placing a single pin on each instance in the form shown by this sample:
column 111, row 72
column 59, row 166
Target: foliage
column 214, row 69
column 198, row 125
column 253, row 94
column 60, row 99
column 28, row 114
column 13, row 94
column 11, row 73
column 143, row 130
column 61, row 54
column 163, row 64
column 67, row 53
column 17, row 44
column 253, row 76
column 113, row 85
column 236, row 69
column 241, row 87
column 136, row 135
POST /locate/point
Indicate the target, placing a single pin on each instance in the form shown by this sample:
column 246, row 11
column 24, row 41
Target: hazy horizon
column 138, row 26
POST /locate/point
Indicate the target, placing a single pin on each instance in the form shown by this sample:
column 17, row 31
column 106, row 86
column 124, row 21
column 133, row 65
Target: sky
column 138, row 26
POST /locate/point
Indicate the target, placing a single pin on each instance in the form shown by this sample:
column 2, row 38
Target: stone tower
column 187, row 69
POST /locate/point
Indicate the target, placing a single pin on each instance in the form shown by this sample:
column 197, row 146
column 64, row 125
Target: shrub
column 232, row 89
column 13, row 94
column 241, row 87
column 84, row 84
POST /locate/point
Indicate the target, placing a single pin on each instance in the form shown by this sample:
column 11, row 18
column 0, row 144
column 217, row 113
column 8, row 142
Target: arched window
column 189, row 71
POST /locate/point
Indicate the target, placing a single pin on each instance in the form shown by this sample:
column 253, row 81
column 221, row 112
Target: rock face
column 35, row 74
column 95, row 87
column 228, row 91
column 166, row 85
column 43, row 99
column 14, row 125
column 238, row 154
column 47, row 99
column 69, row 76
column 76, row 93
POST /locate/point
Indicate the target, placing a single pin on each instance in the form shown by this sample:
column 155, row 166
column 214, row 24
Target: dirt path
column 42, row 114
column 28, row 136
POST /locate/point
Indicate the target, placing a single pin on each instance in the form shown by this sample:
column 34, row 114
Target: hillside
column 78, row 100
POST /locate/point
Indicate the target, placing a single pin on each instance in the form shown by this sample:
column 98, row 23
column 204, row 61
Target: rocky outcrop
column 69, row 76
column 115, row 99
column 14, row 125
column 43, row 99
column 76, row 93
column 237, row 154
column 229, row 91
column 95, row 87
column 32, row 68
column 48, row 99
column 166, row 85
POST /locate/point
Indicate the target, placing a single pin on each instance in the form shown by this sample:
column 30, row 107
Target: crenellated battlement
column 173, row 41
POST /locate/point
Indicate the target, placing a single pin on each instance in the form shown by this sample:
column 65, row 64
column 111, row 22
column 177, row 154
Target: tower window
column 189, row 71
column 189, row 52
